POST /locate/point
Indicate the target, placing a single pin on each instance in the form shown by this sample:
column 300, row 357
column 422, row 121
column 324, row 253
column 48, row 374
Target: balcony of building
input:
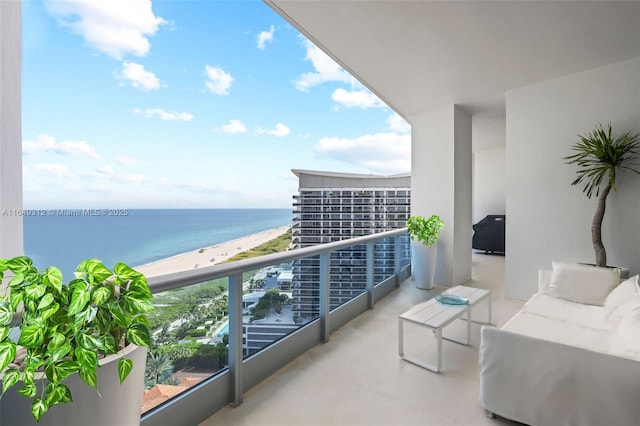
column 495, row 92
column 357, row 377
column 324, row 304
column 340, row 365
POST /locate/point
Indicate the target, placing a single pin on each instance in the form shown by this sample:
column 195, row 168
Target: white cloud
column 106, row 170
column 398, row 124
column 164, row 115
column 137, row 76
column 381, row 153
column 234, row 127
column 46, row 143
column 133, row 179
column 356, row 98
column 55, row 170
column 107, row 173
column 280, row 130
column 128, row 161
column 218, row 81
column 25, row 171
column 264, row 37
column 326, row 69
column 115, row 27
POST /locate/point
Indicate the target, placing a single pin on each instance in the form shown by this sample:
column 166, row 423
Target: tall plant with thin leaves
column 600, row 157
column 63, row 329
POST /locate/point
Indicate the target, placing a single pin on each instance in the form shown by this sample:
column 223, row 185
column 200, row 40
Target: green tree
column 159, row 368
column 183, row 330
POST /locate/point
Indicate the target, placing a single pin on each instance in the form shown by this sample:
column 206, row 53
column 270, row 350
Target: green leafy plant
column 425, row 229
column 599, row 157
column 62, row 329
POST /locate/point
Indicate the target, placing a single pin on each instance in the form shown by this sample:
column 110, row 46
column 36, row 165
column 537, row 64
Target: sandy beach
column 207, row 256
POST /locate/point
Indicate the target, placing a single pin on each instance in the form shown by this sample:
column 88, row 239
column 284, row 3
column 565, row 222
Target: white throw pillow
column 624, row 342
column 585, row 284
column 621, row 294
column 614, row 318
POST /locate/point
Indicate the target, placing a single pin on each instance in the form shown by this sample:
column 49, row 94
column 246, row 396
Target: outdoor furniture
column 436, row 316
column 568, row 357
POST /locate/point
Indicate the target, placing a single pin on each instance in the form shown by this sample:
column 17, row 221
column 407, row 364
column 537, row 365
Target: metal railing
column 229, row 385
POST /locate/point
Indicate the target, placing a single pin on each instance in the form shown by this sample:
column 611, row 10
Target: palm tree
column 159, row 368
column 599, row 156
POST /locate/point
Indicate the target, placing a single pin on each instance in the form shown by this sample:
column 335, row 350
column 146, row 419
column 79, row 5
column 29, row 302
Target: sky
column 187, row 104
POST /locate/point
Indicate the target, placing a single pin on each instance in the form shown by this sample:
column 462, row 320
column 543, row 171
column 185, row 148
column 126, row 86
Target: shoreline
column 209, row 255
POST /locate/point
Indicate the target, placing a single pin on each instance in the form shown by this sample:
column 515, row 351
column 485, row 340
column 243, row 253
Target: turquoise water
column 224, row 330
column 141, row 236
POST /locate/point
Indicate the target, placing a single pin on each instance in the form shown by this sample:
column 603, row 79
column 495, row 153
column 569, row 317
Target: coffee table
column 436, row 316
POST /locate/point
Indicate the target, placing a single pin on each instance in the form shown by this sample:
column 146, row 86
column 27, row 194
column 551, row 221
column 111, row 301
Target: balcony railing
column 256, row 350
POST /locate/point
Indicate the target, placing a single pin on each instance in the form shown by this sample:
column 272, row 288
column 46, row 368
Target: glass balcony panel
column 188, row 343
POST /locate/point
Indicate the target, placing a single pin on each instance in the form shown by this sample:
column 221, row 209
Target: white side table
column 436, row 316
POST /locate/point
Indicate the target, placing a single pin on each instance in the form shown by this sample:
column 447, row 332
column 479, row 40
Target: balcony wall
column 547, row 218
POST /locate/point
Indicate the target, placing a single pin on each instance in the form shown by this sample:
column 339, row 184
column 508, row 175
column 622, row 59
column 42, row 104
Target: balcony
column 224, row 372
column 346, row 341
column 357, row 378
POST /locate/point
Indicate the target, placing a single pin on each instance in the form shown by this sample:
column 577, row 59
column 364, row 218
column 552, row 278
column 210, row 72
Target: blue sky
column 187, row 104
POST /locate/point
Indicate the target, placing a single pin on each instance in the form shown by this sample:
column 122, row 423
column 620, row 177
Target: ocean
column 137, row 236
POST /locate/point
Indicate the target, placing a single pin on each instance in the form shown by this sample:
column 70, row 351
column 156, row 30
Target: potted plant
column 600, row 157
column 49, row 331
column 424, row 233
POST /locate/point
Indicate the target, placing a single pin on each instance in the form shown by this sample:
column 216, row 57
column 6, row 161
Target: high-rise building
column 336, row 206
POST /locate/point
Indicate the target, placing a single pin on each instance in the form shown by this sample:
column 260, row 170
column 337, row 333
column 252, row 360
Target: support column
column 441, row 183
column 10, row 130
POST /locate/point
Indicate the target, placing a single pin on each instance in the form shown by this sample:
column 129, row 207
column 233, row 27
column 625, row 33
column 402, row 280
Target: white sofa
column 571, row 355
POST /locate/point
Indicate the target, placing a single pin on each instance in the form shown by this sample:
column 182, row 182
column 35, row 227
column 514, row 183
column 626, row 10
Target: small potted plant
column 49, row 331
column 424, row 233
column 600, row 157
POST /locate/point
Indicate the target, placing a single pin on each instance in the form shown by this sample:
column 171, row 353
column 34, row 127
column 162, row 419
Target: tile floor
column 357, row 378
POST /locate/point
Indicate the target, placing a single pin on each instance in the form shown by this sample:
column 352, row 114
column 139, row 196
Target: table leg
column 400, row 339
column 439, row 365
column 468, row 326
column 414, row 360
column 489, row 322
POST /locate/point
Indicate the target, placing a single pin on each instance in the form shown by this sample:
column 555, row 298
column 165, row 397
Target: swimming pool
column 224, row 330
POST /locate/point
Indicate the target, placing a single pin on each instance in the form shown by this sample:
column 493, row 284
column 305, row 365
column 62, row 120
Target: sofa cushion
column 624, row 341
column 558, row 331
column 556, row 308
column 621, row 294
column 582, row 283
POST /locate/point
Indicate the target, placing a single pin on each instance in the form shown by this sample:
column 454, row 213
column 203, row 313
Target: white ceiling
column 419, row 54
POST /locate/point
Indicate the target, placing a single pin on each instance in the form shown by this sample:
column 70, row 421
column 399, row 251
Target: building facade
column 336, row 206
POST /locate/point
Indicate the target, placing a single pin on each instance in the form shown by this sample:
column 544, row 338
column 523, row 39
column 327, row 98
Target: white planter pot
column 423, row 265
column 624, row 271
column 115, row 404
